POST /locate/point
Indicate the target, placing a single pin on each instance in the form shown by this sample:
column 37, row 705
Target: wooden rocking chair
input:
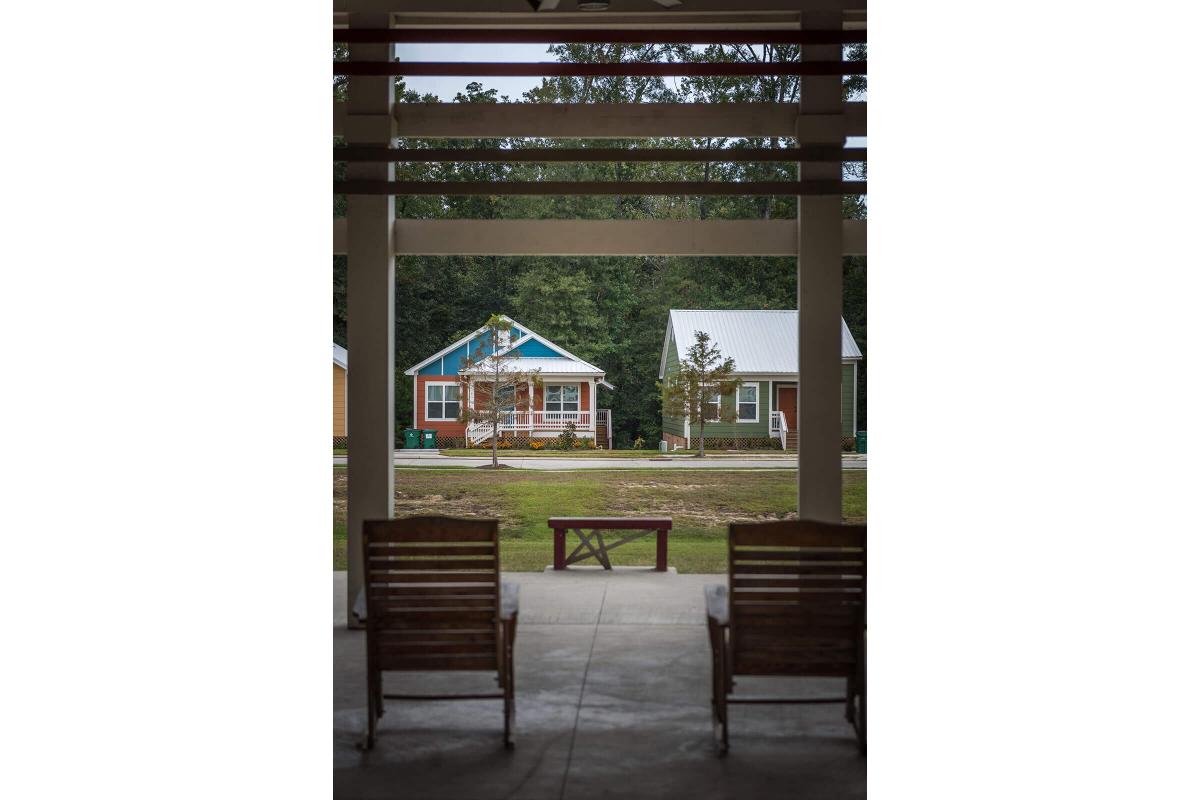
column 435, row 602
column 795, row 606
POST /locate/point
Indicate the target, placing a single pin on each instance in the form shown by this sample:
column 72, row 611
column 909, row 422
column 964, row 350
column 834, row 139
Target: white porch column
column 370, row 311
column 819, row 299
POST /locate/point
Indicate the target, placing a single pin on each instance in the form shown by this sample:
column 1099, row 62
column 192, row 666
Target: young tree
column 704, row 379
column 496, row 363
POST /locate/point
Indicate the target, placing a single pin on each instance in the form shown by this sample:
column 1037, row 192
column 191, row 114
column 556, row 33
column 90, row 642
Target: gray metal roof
column 758, row 341
column 340, row 356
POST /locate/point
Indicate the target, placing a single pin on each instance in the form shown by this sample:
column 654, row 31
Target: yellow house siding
column 339, row 401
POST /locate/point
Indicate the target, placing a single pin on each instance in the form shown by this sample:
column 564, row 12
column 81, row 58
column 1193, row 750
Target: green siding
column 847, row 399
column 672, row 425
column 742, row 429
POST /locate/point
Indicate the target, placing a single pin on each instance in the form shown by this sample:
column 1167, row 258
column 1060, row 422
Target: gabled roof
column 529, row 336
column 340, row 356
column 758, row 341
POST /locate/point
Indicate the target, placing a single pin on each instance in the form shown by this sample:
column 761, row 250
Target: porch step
column 791, row 440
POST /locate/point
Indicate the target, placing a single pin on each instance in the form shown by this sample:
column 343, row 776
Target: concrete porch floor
column 612, row 686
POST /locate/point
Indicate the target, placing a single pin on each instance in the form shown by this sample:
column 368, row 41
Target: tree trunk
column 495, row 437
column 701, row 453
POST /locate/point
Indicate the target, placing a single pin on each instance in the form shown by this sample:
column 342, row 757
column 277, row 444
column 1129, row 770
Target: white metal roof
column 548, row 366
column 340, row 356
column 758, row 341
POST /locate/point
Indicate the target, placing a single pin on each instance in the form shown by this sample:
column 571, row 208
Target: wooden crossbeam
column 617, row 120
column 616, row 237
column 607, row 36
column 623, row 69
column 691, row 188
column 590, row 154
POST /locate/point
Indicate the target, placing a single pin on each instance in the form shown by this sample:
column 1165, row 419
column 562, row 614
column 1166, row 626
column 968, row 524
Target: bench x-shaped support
column 600, row 550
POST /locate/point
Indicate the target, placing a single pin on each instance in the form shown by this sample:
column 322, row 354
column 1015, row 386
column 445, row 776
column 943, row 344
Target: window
column 441, row 401
column 506, row 398
column 562, row 398
column 712, row 408
column 748, row 402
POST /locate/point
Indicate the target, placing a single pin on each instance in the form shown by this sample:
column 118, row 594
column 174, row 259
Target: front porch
column 612, row 677
column 528, row 426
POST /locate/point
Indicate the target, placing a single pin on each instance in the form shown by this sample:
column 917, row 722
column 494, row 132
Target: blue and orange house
column 567, row 392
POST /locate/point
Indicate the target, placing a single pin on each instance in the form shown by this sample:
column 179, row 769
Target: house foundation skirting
column 674, row 441
column 730, row 443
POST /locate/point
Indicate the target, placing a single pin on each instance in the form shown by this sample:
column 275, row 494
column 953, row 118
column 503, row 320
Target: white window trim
column 443, row 401
column 578, row 397
column 738, row 402
column 717, row 418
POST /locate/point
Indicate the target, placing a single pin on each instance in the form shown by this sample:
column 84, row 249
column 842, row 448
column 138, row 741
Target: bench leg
column 602, row 553
column 560, row 548
column 660, row 557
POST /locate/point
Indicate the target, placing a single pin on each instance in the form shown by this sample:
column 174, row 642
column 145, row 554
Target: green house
column 763, row 345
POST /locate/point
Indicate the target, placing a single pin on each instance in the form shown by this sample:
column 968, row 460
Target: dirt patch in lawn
column 410, row 503
column 686, row 514
column 686, row 487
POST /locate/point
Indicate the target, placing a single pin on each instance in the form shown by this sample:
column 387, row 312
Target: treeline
column 610, row 311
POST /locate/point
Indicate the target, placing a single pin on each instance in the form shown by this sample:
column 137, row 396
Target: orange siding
column 339, row 401
column 450, row 428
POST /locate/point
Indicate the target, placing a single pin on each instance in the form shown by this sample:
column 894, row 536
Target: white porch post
column 819, row 300
column 370, row 311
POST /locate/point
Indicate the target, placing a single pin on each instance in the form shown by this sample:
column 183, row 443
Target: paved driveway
column 431, row 458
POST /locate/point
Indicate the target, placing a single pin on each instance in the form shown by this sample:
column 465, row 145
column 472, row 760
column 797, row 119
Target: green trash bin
column 412, row 439
column 428, row 439
column 860, row 442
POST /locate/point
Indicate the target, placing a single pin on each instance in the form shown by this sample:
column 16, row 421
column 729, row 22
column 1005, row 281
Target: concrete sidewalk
column 432, row 458
column 613, row 683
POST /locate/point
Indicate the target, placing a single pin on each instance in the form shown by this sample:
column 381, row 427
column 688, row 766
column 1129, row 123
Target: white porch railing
column 779, row 428
column 531, row 421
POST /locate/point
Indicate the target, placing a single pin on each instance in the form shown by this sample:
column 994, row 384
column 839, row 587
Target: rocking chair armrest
column 716, row 603
column 510, row 599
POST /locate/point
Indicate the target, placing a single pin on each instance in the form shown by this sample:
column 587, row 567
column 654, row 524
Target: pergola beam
column 819, row 301
column 590, row 188
column 619, row 121
column 600, row 69
column 572, row 237
column 597, row 35
column 521, row 8
column 594, row 154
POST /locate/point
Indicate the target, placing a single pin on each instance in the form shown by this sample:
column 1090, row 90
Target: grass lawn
column 701, row 502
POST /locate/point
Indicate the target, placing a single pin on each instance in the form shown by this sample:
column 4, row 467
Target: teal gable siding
column 535, row 349
column 452, row 361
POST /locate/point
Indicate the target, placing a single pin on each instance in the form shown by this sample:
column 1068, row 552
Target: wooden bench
column 595, row 546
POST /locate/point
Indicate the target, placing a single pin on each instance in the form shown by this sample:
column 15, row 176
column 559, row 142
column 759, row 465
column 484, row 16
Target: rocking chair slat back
column 797, row 598
column 430, row 605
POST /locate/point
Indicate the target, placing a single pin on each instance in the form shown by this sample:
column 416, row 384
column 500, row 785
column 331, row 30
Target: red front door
column 787, row 404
